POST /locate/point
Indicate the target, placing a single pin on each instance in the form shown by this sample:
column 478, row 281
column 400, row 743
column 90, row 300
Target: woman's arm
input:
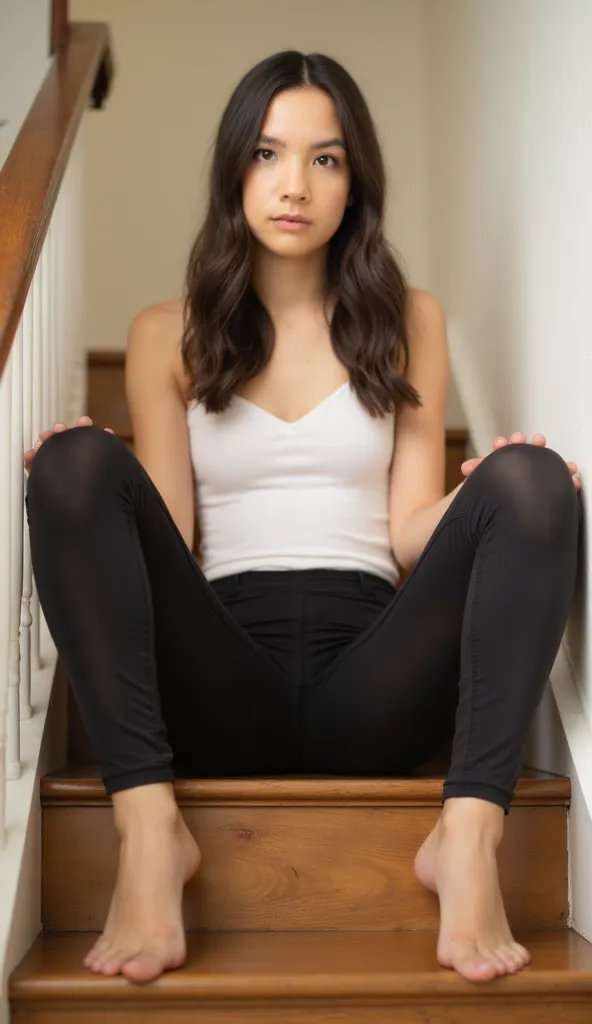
column 420, row 527
column 417, row 496
column 159, row 412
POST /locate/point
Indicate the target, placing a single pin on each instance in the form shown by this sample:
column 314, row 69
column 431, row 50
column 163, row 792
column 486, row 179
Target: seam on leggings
column 473, row 645
column 369, row 632
column 471, row 725
column 158, row 721
column 302, row 631
column 210, row 594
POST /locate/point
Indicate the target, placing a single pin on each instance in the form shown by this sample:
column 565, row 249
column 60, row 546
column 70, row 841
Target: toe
column 470, row 963
column 521, row 954
column 513, row 959
column 113, row 963
column 103, row 956
column 143, row 967
column 506, row 958
column 93, row 952
column 511, row 963
column 495, row 958
column 477, row 968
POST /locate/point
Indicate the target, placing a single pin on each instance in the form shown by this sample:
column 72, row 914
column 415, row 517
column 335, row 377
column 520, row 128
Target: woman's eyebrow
column 271, row 141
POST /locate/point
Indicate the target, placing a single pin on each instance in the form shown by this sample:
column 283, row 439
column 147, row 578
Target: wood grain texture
column 275, row 867
column 31, row 176
column 106, row 400
column 345, row 977
column 524, row 1012
column 81, row 785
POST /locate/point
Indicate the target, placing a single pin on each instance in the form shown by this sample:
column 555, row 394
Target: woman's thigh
column 389, row 700
column 466, row 645
column 228, row 706
column 139, row 628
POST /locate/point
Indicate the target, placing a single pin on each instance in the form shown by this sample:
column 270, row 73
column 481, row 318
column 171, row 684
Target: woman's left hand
column 518, row 438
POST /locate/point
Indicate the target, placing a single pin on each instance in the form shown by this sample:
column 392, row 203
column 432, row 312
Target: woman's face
column 292, row 174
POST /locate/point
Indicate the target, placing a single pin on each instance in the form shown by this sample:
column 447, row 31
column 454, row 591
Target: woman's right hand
column 84, row 421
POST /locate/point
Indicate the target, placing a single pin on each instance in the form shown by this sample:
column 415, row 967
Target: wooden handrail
column 32, row 174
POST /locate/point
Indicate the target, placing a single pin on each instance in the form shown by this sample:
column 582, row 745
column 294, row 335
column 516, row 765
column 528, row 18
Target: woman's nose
column 295, row 185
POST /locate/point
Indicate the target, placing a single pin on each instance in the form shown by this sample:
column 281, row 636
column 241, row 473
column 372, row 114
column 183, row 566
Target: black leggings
column 313, row 671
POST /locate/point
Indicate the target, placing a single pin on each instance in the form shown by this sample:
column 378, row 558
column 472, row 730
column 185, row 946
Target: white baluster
column 28, row 442
column 5, row 423
column 13, row 719
column 57, row 364
column 44, row 380
column 76, row 274
column 36, row 427
column 64, row 292
column 69, row 289
column 53, row 333
column 41, row 410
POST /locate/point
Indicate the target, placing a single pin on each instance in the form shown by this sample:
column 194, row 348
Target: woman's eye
column 323, row 156
column 327, row 156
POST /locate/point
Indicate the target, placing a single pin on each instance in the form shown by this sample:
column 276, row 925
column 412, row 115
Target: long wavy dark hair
column 228, row 334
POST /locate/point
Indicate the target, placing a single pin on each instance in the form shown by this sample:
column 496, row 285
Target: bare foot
column 458, row 862
column 144, row 933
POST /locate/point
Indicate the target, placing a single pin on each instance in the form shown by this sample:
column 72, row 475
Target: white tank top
column 302, row 495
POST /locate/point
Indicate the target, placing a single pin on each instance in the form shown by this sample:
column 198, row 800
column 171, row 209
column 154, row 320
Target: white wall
column 176, row 65
column 510, row 95
column 24, row 61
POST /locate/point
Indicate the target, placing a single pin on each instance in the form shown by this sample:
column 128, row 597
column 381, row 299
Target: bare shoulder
column 425, row 321
column 155, row 333
column 424, row 311
column 428, row 370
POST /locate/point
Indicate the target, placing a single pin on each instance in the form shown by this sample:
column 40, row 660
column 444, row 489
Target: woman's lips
column 291, row 225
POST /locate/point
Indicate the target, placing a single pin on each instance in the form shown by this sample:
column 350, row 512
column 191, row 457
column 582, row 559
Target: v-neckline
column 294, row 423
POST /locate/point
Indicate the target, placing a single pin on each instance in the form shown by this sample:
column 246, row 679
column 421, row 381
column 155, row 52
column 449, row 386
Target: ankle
column 472, row 818
column 146, row 809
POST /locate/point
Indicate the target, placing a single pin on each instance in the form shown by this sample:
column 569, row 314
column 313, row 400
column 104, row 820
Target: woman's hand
column 518, row 438
column 84, row 421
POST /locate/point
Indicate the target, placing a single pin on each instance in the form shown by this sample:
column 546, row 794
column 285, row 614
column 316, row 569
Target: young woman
column 297, row 394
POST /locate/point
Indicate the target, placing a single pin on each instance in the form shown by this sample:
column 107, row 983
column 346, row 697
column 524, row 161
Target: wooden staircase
column 305, row 908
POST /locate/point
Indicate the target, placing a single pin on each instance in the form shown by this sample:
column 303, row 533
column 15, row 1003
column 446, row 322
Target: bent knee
column 71, row 465
column 516, row 464
column 537, row 484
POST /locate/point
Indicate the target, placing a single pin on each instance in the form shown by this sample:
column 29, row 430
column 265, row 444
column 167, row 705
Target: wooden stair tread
column 287, row 966
column 81, row 785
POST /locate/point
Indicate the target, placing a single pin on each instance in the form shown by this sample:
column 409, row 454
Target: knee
column 535, row 484
column 518, row 467
column 70, row 468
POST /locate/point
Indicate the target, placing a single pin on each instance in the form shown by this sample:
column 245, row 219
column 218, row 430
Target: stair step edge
column 84, row 787
column 52, row 970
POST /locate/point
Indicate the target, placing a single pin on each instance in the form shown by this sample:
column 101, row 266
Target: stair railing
column 42, row 351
